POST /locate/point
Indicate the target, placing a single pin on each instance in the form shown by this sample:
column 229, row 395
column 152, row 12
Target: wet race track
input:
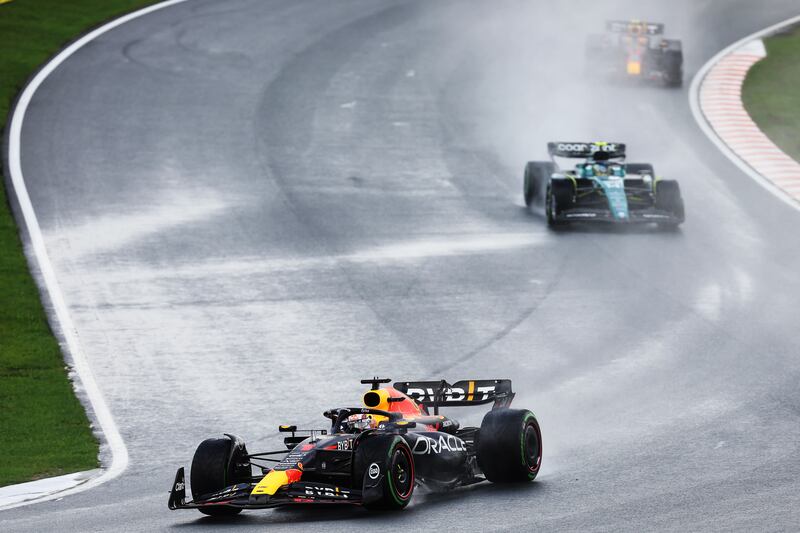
column 252, row 204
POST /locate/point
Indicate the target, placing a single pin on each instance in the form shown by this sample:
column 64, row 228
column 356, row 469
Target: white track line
column 81, row 366
column 715, row 100
column 60, row 312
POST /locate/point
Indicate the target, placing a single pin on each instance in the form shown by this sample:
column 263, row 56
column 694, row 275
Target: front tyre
column 537, row 173
column 509, row 447
column 559, row 196
column 550, row 207
column 217, row 464
column 668, row 198
column 385, row 467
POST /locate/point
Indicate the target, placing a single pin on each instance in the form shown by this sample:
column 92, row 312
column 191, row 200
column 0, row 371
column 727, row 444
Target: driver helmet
column 361, row 422
column 601, row 163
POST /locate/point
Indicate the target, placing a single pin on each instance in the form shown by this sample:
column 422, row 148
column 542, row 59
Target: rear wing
column 582, row 150
column 634, row 27
column 460, row 394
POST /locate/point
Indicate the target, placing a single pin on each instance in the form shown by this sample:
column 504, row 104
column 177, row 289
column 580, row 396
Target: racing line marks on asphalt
column 716, row 102
column 122, row 229
column 101, row 415
column 722, row 104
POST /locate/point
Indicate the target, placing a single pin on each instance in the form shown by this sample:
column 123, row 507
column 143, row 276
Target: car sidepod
column 439, row 457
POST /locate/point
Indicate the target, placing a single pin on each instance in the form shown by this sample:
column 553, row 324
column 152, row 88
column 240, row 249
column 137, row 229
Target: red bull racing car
column 372, row 455
column 636, row 50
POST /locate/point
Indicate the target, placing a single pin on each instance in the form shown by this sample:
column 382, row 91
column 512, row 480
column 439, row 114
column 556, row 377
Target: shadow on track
column 423, row 499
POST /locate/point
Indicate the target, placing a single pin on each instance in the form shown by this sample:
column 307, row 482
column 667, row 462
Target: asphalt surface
column 253, row 204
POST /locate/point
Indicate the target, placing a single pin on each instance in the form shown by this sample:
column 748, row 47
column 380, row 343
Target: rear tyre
column 218, row 463
column 559, row 196
column 384, row 465
column 536, row 175
column 668, row 198
column 509, row 446
column 673, row 65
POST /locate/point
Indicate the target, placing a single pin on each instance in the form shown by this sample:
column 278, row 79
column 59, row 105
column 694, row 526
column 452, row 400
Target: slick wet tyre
column 673, row 65
column 559, row 196
column 537, row 173
column 668, row 198
column 218, row 463
column 384, row 465
column 509, row 446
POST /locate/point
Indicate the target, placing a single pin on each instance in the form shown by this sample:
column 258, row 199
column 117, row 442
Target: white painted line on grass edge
column 102, row 415
column 705, row 126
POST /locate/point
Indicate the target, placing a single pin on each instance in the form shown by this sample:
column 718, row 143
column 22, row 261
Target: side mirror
column 293, row 441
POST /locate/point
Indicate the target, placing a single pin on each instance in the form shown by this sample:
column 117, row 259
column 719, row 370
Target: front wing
column 634, row 216
column 239, row 495
column 594, row 204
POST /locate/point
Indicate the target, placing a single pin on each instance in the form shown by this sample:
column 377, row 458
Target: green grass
column 771, row 92
column 43, row 428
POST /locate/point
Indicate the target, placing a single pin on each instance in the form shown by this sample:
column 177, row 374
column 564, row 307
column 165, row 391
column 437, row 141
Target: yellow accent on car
column 383, row 399
column 634, row 68
column 471, row 391
column 270, row 483
column 574, row 181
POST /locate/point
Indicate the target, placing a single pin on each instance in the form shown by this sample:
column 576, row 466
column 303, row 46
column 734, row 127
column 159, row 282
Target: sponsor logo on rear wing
column 634, row 27
column 461, row 393
column 585, row 150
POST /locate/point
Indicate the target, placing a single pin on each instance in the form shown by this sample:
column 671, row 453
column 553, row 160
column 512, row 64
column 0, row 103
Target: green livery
column 601, row 187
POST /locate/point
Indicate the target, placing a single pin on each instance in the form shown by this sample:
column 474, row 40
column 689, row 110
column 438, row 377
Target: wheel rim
column 402, row 473
column 533, row 448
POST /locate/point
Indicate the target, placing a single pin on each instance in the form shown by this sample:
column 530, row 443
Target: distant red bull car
column 373, row 455
column 636, row 49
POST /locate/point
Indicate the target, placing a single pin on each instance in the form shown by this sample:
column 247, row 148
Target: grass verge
column 44, row 430
column 770, row 93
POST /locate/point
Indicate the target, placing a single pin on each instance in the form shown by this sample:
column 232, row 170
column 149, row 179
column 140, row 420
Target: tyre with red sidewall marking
column 385, row 467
